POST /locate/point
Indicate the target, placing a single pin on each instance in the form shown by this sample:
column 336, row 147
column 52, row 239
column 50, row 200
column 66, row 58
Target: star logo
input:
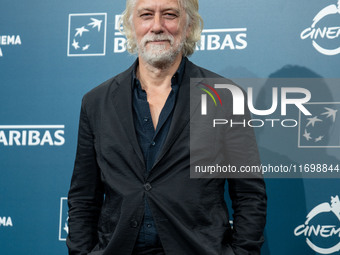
column 322, row 130
column 86, row 47
column 80, row 31
column 63, row 219
column 87, row 34
column 319, row 138
column 312, row 121
column 75, row 44
column 66, row 226
column 307, row 135
column 330, row 113
column 95, row 23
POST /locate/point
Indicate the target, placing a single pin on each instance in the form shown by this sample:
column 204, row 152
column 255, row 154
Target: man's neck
column 152, row 77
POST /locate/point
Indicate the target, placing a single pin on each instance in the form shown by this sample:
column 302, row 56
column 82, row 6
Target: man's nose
column 157, row 26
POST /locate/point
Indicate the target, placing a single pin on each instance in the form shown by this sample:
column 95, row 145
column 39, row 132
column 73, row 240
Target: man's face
column 160, row 30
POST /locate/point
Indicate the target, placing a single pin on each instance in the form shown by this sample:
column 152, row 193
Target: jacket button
column 147, row 186
column 134, row 223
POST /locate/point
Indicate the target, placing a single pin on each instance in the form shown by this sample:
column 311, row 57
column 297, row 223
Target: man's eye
column 170, row 15
column 145, row 15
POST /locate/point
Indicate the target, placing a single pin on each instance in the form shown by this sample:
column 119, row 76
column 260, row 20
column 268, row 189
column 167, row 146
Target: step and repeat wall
column 53, row 52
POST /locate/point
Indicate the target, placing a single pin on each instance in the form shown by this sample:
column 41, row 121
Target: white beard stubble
column 157, row 55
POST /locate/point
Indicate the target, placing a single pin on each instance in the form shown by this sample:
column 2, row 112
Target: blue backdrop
column 53, row 52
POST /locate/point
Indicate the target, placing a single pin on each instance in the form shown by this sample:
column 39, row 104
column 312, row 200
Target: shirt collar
column 176, row 78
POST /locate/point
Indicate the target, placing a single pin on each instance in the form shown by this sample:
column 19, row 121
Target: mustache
column 155, row 38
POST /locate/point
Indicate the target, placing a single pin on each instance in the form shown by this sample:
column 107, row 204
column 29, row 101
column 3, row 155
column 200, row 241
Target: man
column 131, row 191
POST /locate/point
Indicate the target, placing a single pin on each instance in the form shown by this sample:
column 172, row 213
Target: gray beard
column 158, row 57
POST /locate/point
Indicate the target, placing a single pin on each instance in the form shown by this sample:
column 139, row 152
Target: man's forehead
column 157, row 4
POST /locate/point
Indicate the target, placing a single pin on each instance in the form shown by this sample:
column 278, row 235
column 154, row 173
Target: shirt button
column 134, row 223
column 146, row 119
column 147, row 186
column 149, row 225
column 153, row 143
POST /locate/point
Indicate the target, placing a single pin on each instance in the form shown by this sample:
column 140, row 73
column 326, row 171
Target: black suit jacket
column 108, row 187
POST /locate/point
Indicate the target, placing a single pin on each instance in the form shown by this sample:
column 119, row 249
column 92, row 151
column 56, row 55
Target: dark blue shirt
column 151, row 141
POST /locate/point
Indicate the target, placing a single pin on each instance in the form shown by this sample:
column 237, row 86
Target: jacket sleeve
column 249, row 205
column 85, row 196
column 247, row 191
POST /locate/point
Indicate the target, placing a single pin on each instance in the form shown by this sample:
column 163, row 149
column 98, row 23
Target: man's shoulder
column 108, row 86
column 196, row 71
column 200, row 71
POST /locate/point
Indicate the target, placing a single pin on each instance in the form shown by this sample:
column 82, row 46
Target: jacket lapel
column 182, row 111
column 122, row 102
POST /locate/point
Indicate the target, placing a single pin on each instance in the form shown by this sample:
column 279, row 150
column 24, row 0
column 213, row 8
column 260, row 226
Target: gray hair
column 194, row 21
